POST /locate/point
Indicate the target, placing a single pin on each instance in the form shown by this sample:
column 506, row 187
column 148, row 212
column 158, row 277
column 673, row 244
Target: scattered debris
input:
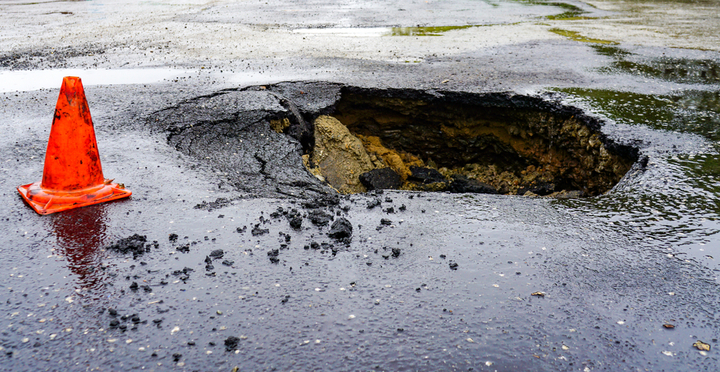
column 702, row 346
column 231, row 343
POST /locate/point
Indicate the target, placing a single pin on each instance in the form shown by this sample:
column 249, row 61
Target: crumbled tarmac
column 341, row 230
column 135, row 244
column 319, row 217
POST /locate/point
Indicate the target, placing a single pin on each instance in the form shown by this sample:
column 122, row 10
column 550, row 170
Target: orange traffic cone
column 73, row 176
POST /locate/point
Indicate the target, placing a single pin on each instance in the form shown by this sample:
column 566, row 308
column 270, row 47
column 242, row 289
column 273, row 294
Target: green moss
column 572, row 35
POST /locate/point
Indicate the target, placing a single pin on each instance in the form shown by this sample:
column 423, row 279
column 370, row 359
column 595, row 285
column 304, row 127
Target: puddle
column 424, row 31
column 385, row 31
column 345, row 31
column 691, row 111
column 460, row 142
column 11, row 81
column 678, row 70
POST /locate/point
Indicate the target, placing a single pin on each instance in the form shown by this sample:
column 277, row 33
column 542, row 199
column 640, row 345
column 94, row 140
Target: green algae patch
column 572, row 35
column 424, row 31
column 571, row 13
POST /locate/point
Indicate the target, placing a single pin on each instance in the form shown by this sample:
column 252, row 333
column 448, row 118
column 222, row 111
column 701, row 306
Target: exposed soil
column 491, row 143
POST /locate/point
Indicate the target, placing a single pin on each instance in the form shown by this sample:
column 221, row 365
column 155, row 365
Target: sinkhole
column 461, row 142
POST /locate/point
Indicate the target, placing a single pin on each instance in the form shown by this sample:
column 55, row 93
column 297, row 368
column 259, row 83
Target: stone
column 462, row 184
column 425, row 175
column 381, row 179
column 341, row 229
column 319, row 218
column 339, row 155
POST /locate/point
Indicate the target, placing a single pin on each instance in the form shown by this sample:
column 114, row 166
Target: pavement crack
column 263, row 165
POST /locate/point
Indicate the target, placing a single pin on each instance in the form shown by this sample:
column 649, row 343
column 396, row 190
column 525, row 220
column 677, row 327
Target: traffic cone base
column 72, row 176
column 46, row 201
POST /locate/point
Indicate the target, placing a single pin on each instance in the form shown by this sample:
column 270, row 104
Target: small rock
column 341, row 229
column 374, row 203
column 259, row 231
column 296, row 222
column 453, row 265
column 462, row 184
column 218, row 253
column 231, row 343
column 702, row 346
column 540, row 188
column 424, row 175
column 319, row 218
column 273, row 255
column 134, row 244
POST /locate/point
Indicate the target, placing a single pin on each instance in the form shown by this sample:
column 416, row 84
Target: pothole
column 359, row 139
column 462, row 142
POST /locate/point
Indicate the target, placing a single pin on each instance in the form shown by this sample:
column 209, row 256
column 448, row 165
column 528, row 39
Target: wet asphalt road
column 613, row 269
